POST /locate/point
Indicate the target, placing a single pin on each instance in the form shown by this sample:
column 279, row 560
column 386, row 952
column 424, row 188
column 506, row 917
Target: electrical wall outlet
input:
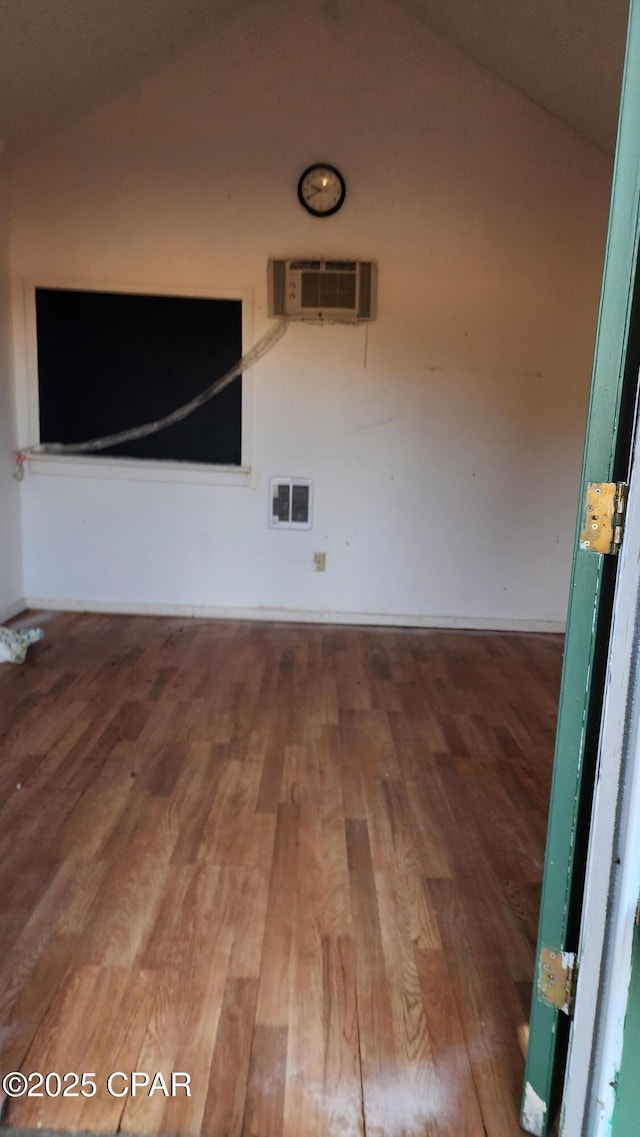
column 320, row 561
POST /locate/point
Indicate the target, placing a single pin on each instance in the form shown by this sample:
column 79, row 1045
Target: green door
column 606, row 454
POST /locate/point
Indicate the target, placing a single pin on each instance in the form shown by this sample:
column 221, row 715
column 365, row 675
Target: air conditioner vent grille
column 366, row 291
column 329, row 290
column 322, row 291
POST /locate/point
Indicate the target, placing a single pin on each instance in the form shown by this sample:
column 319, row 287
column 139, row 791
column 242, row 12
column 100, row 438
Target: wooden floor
column 300, row 864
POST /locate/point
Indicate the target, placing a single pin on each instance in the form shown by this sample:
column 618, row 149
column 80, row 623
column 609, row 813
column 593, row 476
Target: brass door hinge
column 604, row 516
column 557, row 974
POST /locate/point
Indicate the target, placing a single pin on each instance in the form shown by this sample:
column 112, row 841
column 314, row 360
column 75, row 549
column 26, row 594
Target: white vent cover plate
column 290, row 503
column 318, row 290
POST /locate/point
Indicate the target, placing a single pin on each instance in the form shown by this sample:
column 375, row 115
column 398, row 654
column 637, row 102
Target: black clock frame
column 343, row 189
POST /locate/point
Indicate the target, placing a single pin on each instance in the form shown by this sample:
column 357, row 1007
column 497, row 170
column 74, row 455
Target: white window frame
column 126, row 468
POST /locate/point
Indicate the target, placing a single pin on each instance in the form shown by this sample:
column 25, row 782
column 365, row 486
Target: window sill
column 137, row 470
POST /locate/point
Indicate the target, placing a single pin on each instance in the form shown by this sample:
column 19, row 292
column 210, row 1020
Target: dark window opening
column 109, row 361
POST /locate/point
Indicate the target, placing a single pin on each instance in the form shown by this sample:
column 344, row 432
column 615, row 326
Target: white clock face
column 321, row 190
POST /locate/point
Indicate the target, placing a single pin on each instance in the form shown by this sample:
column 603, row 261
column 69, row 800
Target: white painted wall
column 445, row 441
column 11, row 591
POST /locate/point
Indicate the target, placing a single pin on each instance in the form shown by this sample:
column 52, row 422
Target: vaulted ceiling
column 60, row 58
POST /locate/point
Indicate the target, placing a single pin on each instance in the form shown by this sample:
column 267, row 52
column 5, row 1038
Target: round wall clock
column 321, row 189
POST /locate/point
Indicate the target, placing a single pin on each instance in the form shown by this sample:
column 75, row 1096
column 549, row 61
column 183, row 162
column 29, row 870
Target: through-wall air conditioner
column 331, row 291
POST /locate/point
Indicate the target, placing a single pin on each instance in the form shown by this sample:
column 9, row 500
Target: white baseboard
column 297, row 616
column 13, row 610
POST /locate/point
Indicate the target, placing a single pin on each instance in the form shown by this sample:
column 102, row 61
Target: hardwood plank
column 276, row 970
column 460, row 1114
column 271, row 781
column 246, row 957
column 418, row 1106
column 264, row 1107
column 341, row 1100
column 375, row 1018
column 304, row 1084
column 481, row 995
column 351, row 773
column 225, row 1105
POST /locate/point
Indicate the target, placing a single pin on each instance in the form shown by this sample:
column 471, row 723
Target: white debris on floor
column 15, row 641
